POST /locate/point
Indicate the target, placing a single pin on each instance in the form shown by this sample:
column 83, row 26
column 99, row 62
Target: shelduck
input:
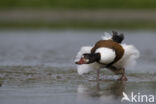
column 108, row 53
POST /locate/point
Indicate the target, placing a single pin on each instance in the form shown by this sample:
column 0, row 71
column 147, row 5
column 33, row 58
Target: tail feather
column 117, row 37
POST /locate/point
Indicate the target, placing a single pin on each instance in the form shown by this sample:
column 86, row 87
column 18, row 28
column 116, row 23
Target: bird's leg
column 98, row 74
column 123, row 76
column 119, row 71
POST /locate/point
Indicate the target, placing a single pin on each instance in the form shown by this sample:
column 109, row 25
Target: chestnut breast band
column 119, row 51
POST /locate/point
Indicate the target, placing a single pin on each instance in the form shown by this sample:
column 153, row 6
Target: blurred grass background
column 129, row 14
column 79, row 4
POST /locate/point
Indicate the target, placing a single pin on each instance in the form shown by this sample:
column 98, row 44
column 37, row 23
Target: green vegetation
column 81, row 24
column 79, row 4
column 74, row 5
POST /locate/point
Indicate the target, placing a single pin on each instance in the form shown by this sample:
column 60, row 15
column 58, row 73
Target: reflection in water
column 117, row 88
column 111, row 91
column 1, row 84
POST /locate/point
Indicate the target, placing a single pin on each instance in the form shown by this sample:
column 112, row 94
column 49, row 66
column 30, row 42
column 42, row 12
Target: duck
column 109, row 53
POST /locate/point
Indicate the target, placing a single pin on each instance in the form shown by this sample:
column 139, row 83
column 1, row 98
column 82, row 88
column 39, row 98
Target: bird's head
column 88, row 58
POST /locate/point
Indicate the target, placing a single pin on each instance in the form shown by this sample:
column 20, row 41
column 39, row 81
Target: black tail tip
column 117, row 37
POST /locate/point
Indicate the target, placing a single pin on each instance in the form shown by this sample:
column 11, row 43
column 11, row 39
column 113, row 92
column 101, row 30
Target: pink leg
column 97, row 77
column 123, row 76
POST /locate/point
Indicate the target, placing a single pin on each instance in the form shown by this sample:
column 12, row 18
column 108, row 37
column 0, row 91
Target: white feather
column 106, row 36
column 107, row 55
column 129, row 58
column 85, row 68
column 84, row 49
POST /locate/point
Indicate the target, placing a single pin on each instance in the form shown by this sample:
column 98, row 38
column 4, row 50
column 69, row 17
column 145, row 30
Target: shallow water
column 36, row 67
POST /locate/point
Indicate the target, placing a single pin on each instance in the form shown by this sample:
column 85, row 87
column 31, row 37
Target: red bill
column 81, row 61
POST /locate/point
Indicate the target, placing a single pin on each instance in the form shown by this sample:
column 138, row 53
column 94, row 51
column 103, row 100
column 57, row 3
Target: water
column 37, row 66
